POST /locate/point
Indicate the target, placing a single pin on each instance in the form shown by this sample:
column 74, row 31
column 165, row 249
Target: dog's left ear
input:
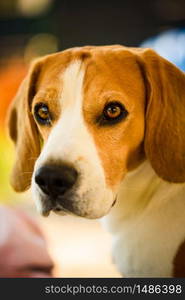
column 165, row 116
column 23, row 131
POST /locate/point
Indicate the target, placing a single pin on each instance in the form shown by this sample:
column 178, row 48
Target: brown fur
column 165, row 121
column 24, row 133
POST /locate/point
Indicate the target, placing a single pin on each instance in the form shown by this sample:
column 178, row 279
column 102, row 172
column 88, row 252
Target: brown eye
column 42, row 114
column 113, row 113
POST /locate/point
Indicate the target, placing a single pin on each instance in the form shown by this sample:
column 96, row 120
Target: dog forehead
column 100, row 64
column 103, row 68
column 101, row 57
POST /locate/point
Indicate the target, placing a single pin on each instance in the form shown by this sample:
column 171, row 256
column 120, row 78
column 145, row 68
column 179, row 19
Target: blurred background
column 31, row 28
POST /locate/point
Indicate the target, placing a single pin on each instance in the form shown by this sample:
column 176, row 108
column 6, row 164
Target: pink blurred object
column 23, row 250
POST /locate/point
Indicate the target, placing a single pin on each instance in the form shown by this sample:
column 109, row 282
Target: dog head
column 86, row 116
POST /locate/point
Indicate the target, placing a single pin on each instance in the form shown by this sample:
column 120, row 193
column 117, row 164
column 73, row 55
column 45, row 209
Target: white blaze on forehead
column 66, row 140
column 71, row 142
column 72, row 85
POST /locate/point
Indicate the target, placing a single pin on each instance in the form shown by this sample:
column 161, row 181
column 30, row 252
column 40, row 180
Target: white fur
column 71, row 142
column 147, row 223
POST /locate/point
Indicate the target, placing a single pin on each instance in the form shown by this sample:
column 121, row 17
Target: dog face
column 85, row 117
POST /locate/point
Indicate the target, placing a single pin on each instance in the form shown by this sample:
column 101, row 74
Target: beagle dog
column 100, row 132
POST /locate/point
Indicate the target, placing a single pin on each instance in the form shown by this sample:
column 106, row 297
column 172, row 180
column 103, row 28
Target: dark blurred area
column 81, row 22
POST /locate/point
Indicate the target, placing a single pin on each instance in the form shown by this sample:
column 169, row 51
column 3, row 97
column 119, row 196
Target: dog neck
column 138, row 191
column 148, row 224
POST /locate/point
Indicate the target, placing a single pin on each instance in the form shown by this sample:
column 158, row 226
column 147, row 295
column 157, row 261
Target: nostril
column 42, row 182
column 57, row 182
column 39, row 180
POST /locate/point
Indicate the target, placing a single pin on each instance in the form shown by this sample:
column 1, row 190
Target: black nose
column 56, row 180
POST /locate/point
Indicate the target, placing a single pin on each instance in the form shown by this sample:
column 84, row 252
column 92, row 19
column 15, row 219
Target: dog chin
column 80, row 214
column 72, row 204
column 76, row 213
column 75, row 209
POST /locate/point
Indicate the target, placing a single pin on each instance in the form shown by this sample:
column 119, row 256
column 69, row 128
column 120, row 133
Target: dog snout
column 55, row 180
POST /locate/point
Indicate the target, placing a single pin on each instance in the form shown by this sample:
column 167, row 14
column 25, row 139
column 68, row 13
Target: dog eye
column 113, row 113
column 42, row 114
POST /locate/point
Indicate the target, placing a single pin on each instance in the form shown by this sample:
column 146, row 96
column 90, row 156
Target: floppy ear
column 165, row 116
column 23, row 131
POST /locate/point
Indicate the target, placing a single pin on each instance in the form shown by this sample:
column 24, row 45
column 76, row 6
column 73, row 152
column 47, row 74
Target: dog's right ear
column 165, row 116
column 23, row 130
